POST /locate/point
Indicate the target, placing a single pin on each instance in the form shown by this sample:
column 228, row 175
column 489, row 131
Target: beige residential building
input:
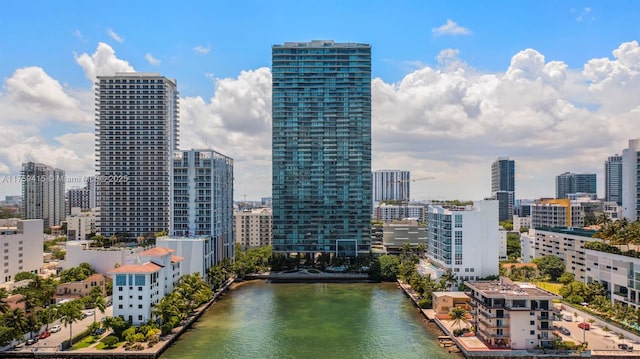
column 512, row 315
column 253, row 227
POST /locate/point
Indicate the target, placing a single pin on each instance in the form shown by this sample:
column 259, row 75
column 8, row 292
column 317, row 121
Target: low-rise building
column 443, row 302
column 388, row 212
column 20, row 247
column 81, row 288
column 81, row 224
column 398, row 233
column 138, row 287
column 198, row 253
column 619, row 274
column 512, row 315
column 521, row 222
column 567, row 244
column 102, row 260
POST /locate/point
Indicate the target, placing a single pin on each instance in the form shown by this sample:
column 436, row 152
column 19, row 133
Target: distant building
column 77, row 198
column 398, row 233
column 388, row 213
column 391, row 185
column 568, row 183
column 551, row 213
column 631, row 180
column 521, row 222
column 513, row 315
column 21, row 242
column 321, row 148
column 43, row 193
column 253, row 227
column 568, row 245
column 464, row 239
column 81, row 225
column 503, row 186
column 13, row 200
column 613, row 179
column 138, row 287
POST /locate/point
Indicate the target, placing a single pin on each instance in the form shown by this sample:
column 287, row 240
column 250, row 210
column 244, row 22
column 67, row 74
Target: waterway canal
column 319, row 320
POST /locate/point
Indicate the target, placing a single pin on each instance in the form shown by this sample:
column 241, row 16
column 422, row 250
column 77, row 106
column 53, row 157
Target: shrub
column 458, row 332
column 425, row 303
column 110, row 341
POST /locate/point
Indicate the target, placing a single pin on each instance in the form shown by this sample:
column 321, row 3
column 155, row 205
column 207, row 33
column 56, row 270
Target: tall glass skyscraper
column 321, row 147
column 613, row 179
column 503, row 186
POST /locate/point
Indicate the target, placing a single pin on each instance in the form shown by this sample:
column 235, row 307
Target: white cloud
column 583, row 14
column 201, row 50
column 102, row 62
column 450, row 28
column 448, row 121
column 152, row 60
column 112, row 34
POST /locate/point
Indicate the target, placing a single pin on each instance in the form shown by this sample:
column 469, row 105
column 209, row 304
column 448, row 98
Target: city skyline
column 552, row 89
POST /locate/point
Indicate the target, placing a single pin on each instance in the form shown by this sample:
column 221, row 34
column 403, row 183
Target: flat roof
column 458, row 295
column 505, row 288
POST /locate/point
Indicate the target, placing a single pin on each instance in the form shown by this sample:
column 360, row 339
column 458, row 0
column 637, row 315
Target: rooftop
column 457, row 295
column 148, row 267
column 505, row 288
column 568, row 230
column 156, row 251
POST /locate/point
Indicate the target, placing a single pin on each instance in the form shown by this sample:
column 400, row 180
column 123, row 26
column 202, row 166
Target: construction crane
column 405, row 201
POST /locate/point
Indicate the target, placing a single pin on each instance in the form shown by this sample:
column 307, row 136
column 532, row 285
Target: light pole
column 584, row 331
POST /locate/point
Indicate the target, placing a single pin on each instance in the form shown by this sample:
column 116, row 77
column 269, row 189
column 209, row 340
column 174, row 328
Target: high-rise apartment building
column 202, row 200
column 391, row 185
column 503, row 186
column 464, row 239
column 321, row 147
column 137, row 132
column 77, row 198
column 568, row 183
column 43, row 193
column 253, row 227
column 631, row 181
column 613, row 179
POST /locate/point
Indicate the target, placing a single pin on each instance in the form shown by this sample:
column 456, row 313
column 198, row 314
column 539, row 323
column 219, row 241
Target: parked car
column 44, row 335
column 626, row 347
column 32, row 341
column 584, row 325
column 564, row 331
column 56, row 328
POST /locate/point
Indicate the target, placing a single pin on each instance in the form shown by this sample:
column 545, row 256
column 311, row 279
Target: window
column 532, row 332
column 139, row 289
column 119, row 289
column 139, row 306
column 532, row 322
column 139, row 297
column 139, row 317
column 120, row 306
column 120, row 297
column 121, row 279
column 139, row 279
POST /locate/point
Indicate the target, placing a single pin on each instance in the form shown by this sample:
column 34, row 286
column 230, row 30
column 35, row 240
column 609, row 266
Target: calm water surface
column 320, row 320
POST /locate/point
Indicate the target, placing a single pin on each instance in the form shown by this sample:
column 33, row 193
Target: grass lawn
column 551, row 287
column 84, row 343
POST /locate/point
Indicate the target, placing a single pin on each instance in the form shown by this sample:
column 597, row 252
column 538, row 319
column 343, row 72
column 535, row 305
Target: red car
column 584, row 326
column 44, row 335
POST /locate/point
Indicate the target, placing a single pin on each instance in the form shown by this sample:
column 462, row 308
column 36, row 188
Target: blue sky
column 207, row 45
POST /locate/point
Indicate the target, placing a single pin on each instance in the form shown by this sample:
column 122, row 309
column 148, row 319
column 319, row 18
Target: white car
column 55, row 329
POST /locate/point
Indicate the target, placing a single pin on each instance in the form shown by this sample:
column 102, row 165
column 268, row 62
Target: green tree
column 70, row 313
column 4, row 305
column 566, row 278
column 17, row 320
column 47, row 315
column 458, row 316
column 110, row 341
column 551, row 266
column 448, row 279
column 117, row 324
column 389, row 267
column 507, row 225
column 24, row 275
column 513, row 245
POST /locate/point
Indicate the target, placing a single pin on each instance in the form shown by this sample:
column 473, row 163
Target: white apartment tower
column 464, row 239
column 137, row 132
column 630, row 180
column 390, row 185
column 202, row 199
column 43, row 193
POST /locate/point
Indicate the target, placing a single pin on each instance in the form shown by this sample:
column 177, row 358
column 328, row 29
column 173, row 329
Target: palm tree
column 448, row 279
column 98, row 303
column 70, row 313
column 4, row 305
column 48, row 315
column 16, row 319
column 458, row 316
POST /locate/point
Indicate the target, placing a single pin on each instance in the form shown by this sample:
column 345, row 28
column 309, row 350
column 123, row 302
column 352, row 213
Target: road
column 596, row 337
column 53, row 342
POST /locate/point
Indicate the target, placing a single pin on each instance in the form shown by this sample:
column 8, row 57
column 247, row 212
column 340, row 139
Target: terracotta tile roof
column 148, row 267
column 156, row 251
column 94, row 277
column 175, row 259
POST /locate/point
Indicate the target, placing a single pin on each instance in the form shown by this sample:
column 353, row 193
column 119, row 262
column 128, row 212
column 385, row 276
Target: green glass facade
column 321, row 147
